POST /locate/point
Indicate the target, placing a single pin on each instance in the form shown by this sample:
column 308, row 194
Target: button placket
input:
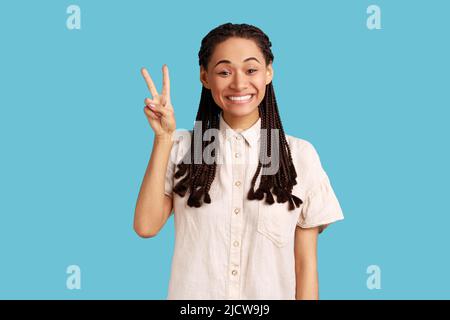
column 236, row 218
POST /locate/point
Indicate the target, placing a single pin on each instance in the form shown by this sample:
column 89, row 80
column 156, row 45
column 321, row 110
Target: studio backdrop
column 366, row 82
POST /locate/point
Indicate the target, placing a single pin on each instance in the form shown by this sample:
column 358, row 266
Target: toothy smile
column 240, row 99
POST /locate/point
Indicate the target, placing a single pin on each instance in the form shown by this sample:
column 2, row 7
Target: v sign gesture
column 153, row 206
column 159, row 110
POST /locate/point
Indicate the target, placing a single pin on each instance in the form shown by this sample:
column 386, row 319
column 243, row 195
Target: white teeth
column 247, row 97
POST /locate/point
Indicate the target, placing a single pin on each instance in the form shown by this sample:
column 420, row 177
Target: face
column 237, row 76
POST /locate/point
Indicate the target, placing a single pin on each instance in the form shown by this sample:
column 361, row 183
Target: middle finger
column 149, row 81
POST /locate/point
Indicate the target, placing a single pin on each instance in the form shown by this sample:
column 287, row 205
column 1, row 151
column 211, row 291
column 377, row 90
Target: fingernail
column 151, row 105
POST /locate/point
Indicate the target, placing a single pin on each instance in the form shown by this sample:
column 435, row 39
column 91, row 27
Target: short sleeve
column 181, row 139
column 320, row 206
column 168, row 184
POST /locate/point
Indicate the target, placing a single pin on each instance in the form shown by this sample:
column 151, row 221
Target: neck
column 241, row 123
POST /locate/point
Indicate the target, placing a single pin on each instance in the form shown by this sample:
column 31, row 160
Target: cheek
column 261, row 84
column 216, row 87
column 261, row 87
column 217, row 95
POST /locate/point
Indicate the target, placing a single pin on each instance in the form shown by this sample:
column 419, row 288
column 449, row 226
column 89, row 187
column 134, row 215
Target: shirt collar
column 251, row 135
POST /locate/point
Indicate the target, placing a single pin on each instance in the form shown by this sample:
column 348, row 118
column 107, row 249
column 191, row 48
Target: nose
column 239, row 82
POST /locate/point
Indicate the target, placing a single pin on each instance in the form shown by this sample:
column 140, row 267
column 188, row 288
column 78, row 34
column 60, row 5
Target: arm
column 153, row 207
column 305, row 250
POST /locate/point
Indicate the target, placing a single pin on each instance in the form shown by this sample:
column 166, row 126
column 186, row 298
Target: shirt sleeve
column 320, row 207
column 168, row 184
column 179, row 146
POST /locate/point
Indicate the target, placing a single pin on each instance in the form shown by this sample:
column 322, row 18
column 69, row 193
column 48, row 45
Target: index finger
column 166, row 82
column 149, row 81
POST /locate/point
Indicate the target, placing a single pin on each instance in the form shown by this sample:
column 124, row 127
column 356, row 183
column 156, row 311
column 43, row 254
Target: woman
column 245, row 227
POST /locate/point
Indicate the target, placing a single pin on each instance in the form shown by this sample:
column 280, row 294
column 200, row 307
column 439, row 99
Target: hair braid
column 198, row 178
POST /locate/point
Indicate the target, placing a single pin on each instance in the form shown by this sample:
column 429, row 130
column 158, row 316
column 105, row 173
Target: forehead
column 236, row 50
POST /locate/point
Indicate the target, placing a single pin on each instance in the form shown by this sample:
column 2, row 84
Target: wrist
column 164, row 138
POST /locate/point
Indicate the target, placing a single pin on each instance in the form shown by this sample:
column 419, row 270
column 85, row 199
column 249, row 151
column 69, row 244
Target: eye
column 225, row 73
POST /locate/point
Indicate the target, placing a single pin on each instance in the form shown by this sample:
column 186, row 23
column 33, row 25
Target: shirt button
column 234, row 272
column 237, row 183
column 236, row 243
column 237, row 155
column 238, row 137
column 236, row 210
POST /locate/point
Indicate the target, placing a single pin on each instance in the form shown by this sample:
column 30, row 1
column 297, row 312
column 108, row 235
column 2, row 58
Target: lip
column 240, row 102
column 239, row 95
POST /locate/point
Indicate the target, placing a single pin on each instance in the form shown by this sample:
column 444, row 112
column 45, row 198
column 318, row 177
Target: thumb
column 149, row 113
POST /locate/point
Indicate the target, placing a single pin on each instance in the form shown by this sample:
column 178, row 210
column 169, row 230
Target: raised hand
column 159, row 109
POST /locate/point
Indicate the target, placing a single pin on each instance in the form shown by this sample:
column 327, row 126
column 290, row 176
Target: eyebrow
column 228, row 61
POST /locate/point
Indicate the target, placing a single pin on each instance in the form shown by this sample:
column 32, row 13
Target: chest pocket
column 276, row 222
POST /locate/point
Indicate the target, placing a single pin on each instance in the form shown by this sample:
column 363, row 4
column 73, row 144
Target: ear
column 269, row 73
column 204, row 77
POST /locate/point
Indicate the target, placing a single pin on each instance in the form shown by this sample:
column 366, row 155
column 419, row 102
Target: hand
column 159, row 110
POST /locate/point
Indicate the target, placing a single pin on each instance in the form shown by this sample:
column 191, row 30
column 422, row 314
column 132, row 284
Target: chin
column 240, row 110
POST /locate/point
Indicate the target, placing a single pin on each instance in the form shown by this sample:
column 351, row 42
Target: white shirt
column 234, row 248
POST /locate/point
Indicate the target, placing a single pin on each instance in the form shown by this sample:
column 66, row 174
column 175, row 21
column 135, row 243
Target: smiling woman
column 242, row 230
column 237, row 85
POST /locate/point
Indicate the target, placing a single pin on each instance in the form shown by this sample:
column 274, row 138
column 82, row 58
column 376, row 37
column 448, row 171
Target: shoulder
column 306, row 161
column 182, row 136
column 181, row 144
column 303, row 151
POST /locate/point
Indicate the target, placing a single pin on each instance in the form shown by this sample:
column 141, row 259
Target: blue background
column 75, row 142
